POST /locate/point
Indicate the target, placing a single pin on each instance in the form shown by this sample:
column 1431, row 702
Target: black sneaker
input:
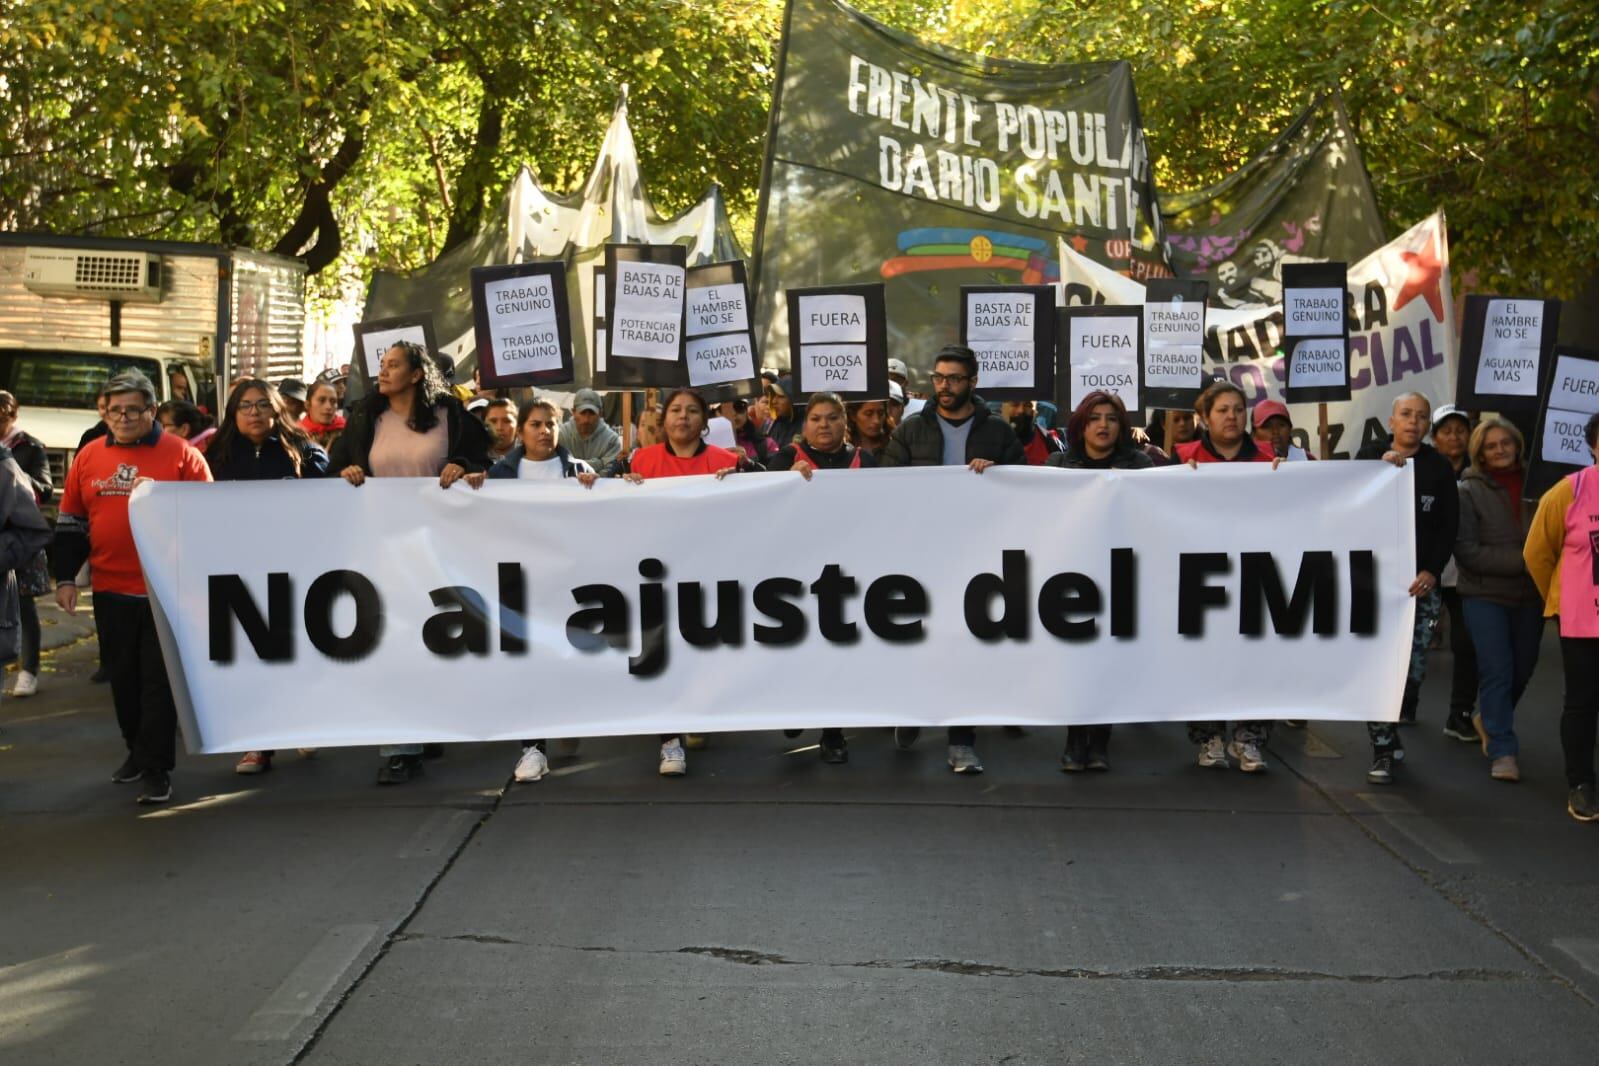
column 792, row 733
column 128, row 772
column 905, row 736
column 399, row 769
column 1580, row 804
column 1383, row 768
column 1097, row 759
column 433, row 751
column 1073, row 759
column 157, row 787
column 835, row 751
column 1460, row 728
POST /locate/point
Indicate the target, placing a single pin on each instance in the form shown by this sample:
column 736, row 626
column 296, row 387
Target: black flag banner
column 1306, row 198
column 896, row 161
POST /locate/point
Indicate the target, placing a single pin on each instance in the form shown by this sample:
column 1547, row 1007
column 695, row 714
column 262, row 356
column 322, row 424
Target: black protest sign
column 1100, row 348
column 838, row 341
column 377, row 335
column 1316, row 332
column 1504, row 347
column 522, row 321
column 1569, row 400
column 597, row 325
column 644, row 315
column 1174, row 342
column 1011, row 328
column 718, row 343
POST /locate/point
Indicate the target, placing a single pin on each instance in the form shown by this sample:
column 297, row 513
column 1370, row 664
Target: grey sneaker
column 905, row 736
column 673, row 762
column 1250, row 761
column 963, row 759
column 1213, row 754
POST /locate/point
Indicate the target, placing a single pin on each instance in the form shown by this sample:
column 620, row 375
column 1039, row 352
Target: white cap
column 1443, row 411
column 896, row 391
column 897, row 366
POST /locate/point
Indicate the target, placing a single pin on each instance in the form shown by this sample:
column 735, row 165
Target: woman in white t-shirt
column 537, row 457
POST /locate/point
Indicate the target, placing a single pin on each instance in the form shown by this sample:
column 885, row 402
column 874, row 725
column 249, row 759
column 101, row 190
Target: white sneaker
column 26, row 684
column 673, row 762
column 963, row 759
column 1213, row 754
column 1250, row 761
column 532, row 765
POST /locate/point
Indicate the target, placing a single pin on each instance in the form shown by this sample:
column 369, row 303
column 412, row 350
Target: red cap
column 1269, row 409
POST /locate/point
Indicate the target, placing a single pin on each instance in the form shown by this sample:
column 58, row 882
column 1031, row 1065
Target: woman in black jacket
column 258, row 440
column 410, row 425
column 823, row 444
column 1098, row 437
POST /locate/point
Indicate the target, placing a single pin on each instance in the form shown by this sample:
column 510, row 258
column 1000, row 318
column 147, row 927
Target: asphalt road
column 771, row 909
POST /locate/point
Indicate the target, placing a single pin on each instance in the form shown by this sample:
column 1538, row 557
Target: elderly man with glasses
column 93, row 525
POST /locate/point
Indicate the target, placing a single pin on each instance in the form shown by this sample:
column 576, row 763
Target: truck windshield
column 45, row 378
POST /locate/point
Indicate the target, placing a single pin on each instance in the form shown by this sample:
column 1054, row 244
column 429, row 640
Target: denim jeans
column 1506, row 641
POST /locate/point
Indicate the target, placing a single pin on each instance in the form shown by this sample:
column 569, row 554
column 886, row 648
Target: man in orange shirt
column 93, row 525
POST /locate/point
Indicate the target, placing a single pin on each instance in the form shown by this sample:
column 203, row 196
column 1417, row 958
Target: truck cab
column 56, row 386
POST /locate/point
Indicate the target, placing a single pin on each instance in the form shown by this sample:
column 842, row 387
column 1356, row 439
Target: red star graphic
column 1422, row 280
column 1080, row 243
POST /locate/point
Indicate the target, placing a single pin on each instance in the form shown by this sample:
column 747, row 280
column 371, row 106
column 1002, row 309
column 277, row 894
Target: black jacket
column 919, row 440
column 511, row 464
column 839, row 460
column 468, row 445
column 1437, row 505
column 1125, row 457
column 29, row 453
column 246, row 462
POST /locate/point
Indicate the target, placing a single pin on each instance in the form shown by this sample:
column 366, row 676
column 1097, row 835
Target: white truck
column 193, row 317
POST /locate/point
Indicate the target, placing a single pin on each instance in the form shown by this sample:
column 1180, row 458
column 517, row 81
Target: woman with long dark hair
column 410, row 425
column 823, row 444
column 1226, row 439
column 1099, row 436
column 258, row 440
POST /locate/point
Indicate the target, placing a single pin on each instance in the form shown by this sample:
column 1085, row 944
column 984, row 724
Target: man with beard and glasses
column 953, row 430
column 1038, row 444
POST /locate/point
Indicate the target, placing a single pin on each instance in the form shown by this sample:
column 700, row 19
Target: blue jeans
column 1506, row 640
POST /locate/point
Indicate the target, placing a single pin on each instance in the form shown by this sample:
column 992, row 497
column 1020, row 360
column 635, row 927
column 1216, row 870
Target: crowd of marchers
column 1490, row 569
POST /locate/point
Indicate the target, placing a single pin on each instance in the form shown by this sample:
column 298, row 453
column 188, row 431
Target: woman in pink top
column 1562, row 554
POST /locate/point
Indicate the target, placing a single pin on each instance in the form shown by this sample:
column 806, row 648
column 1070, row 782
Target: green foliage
column 371, row 134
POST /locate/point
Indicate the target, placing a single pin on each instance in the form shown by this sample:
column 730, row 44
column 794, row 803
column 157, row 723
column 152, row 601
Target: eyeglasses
column 260, row 407
column 125, row 414
column 951, row 379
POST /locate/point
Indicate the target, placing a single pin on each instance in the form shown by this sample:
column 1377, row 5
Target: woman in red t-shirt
column 1226, row 440
column 684, row 452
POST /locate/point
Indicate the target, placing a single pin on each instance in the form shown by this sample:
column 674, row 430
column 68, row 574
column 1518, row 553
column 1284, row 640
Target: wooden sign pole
column 1321, row 418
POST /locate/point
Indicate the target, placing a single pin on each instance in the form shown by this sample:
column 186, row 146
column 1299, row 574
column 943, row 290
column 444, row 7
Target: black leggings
column 1579, row 721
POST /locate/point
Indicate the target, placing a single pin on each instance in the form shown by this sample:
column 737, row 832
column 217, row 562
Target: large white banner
column 1023, row 595
column 1402, row 337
